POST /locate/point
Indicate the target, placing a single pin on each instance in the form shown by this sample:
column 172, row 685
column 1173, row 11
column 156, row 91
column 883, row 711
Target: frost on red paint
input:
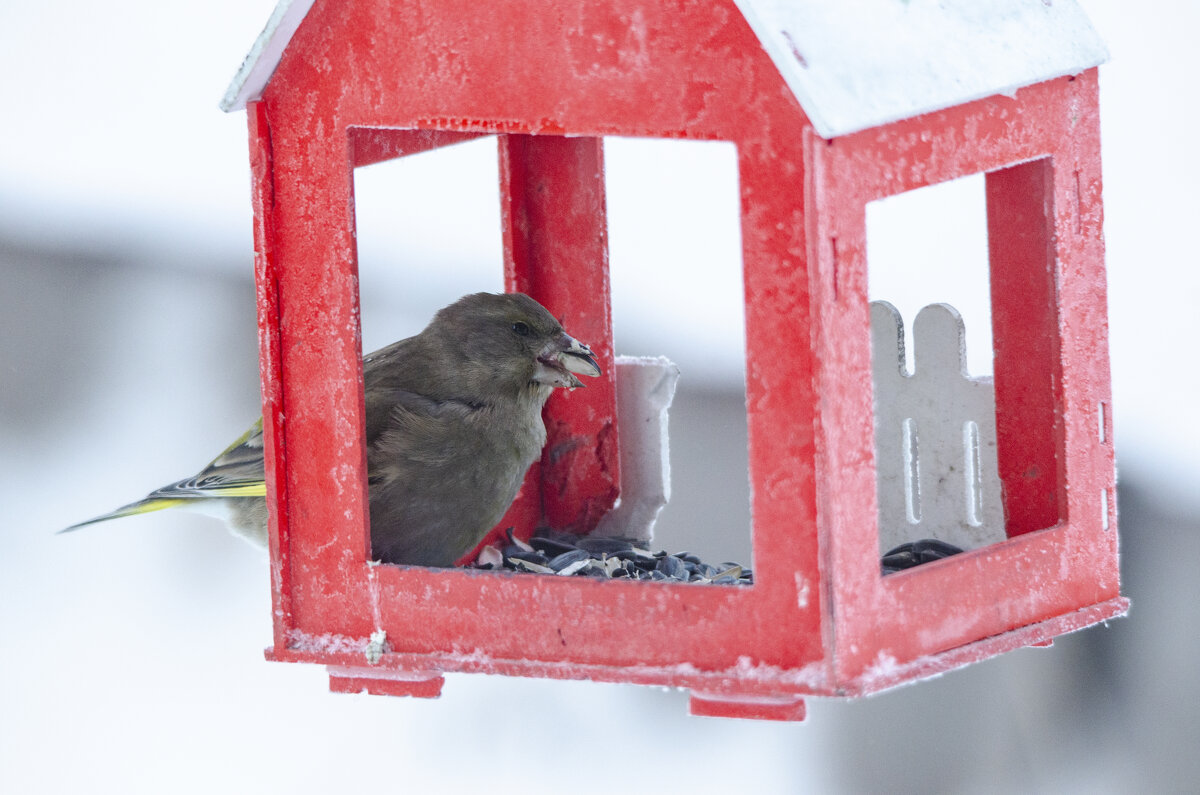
column 340, row 85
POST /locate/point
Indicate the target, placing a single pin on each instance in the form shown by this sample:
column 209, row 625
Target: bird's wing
column 244, row 457
column 388, row 382
column 236, row 472
column 415, row 431
column 431, row 489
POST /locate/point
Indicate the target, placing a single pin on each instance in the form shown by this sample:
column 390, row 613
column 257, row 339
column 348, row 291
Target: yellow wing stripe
column 147, row 507
column 245, row 490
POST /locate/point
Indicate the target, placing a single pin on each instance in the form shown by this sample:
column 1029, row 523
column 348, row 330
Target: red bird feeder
column 830, row 107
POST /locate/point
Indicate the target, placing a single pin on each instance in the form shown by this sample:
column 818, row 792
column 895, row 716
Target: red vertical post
column 262, row 175
column 1027, row 361
column 556, row 250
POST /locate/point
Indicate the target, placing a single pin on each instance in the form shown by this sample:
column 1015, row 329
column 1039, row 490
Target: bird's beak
column 560, row 360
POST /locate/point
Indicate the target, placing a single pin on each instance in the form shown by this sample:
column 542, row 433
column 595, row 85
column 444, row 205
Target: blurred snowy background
column 132, row 652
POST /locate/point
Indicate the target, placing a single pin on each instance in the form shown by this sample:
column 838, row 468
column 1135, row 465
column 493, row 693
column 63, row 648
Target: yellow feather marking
column 247, row 490
column 150, row 507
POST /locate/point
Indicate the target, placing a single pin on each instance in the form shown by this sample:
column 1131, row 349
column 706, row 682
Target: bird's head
column 510, row 343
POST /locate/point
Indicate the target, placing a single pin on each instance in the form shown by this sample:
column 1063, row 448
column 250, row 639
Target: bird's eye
column 521, row 329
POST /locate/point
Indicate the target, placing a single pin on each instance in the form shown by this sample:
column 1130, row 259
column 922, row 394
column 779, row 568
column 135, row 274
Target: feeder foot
column 721, row 705
column 377, row 682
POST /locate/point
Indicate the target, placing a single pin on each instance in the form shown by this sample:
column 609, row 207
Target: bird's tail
column 237, row 472
column 147, row 505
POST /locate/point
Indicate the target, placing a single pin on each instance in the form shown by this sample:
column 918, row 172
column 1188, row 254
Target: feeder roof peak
column 852, row 64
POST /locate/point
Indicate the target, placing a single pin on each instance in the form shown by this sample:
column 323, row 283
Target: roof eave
column 858, row 64
column 259, row 64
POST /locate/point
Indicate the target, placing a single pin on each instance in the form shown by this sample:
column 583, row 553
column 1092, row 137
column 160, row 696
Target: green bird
column 453, row 422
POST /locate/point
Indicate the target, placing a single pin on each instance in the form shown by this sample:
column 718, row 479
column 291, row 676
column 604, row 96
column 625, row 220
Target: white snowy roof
column 855, row 64
column 852, row 64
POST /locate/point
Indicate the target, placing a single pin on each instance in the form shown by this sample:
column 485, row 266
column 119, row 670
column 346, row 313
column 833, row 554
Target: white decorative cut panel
column 935, row 434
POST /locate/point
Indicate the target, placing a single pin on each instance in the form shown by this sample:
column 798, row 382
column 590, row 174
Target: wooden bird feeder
column 830, row 105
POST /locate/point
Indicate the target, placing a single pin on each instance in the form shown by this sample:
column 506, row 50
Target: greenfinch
column 453, row 422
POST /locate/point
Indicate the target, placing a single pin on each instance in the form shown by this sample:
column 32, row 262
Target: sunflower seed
column 525, row 565
column 560, row 562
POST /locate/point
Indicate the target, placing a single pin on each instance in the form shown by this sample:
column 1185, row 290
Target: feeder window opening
column 674, row 239
column 952, row 300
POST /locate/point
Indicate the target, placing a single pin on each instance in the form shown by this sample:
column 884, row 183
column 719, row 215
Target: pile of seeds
column 564, row 554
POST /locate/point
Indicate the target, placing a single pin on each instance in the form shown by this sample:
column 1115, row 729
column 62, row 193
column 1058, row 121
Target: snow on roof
column 855, row 64
column 259, row 64
column 852, row 64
